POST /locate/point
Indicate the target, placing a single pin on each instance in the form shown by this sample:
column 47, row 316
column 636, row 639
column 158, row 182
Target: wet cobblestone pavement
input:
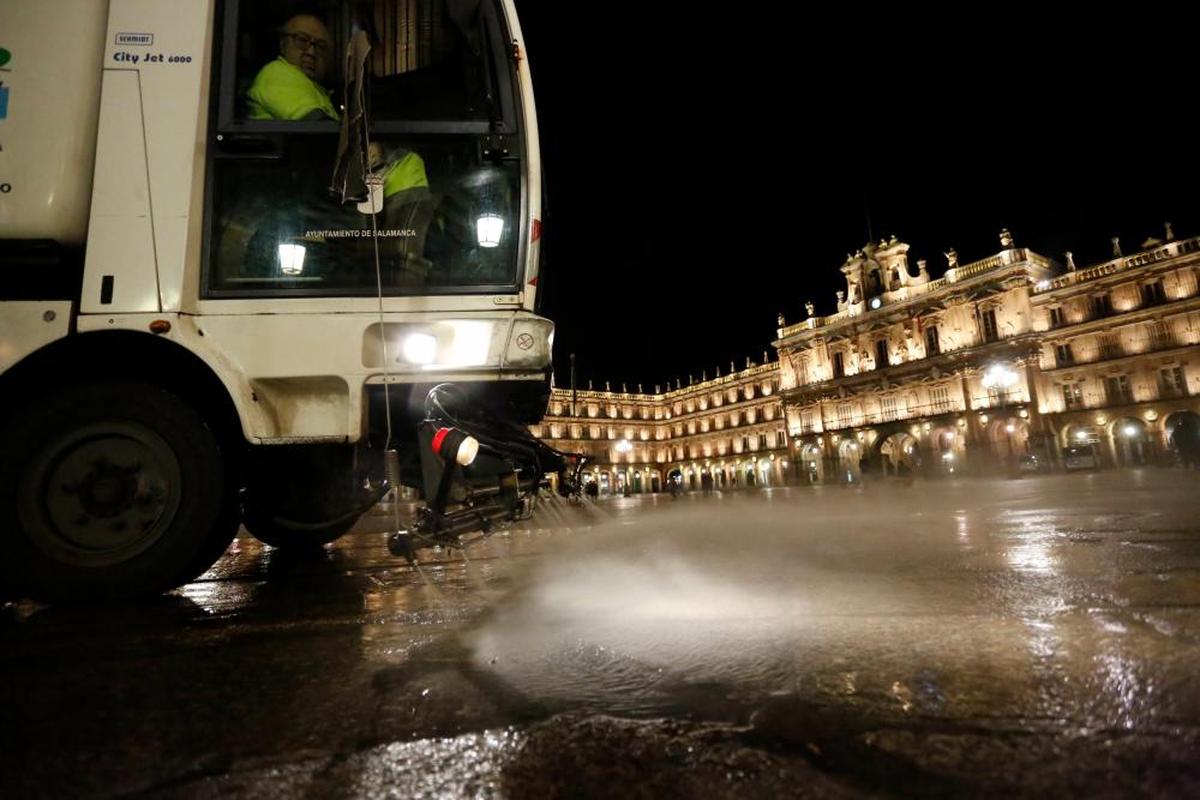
column 957, row 638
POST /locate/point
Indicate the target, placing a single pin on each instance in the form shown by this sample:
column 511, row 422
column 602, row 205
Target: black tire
column 271, row 532
column 301, row 497
column 111, row 490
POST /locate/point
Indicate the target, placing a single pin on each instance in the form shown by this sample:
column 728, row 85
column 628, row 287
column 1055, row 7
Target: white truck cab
column 237, row 250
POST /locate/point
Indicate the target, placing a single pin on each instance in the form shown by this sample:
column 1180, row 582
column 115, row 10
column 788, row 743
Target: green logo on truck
column 5, row 56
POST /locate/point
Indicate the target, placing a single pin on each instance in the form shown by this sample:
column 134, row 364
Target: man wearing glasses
column 290, row 87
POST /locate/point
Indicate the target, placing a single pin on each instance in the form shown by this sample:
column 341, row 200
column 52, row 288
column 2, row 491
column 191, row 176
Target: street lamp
column 624, row 446
column 999, row 376
column 291, row 259
column 489, row 228
column 490, row 189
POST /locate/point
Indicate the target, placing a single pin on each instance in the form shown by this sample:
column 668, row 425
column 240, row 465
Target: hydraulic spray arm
column 479, row 471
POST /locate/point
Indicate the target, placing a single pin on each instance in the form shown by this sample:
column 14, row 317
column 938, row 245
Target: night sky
column 707, row 170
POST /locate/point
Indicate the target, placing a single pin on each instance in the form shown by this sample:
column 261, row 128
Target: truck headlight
column 419, row 348
column 447, row 344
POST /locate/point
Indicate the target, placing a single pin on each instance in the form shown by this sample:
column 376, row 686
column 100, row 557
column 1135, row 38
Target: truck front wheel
column 111, row 490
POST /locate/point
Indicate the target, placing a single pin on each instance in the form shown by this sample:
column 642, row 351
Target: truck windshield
column 444, row 213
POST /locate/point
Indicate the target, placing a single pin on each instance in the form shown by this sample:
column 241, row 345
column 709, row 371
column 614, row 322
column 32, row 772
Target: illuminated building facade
column 724, row 432
column 1008, row 356
column 1120, row 362
column 914, row 373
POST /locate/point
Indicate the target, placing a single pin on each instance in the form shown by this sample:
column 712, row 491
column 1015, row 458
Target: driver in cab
column 292, row 86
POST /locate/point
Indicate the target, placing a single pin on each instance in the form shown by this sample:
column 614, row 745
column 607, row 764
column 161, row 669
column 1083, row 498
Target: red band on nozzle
column 438, row 438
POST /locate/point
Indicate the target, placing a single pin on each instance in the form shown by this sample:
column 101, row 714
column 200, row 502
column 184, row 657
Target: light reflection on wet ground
column 949, row 638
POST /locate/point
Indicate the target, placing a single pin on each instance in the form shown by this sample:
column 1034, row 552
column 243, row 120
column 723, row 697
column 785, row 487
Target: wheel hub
column 104, row 493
